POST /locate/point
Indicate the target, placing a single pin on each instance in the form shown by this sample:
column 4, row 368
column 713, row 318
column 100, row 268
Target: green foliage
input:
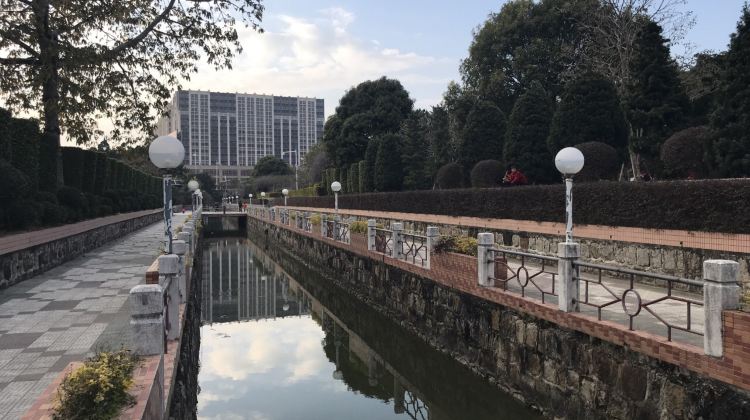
column 526, row 41
column 370, row 157
column 439, row 140
column 342, row 178
column 315, row 220
column 686, row 154
column 52, row 214
column 358, row 227
column 482, row 135
column 589, row 111
column 487, row 174
column 48, row 162
column 24, row 144
column 89, row 171
column 361, row 176
column 98, row 389
column 22, row 214
column 657, row 104
column 74, row 200
column 13, row 183
column 5, row 140
column 601, row 162
column 72, row 158
column 459, row 244
column 352, row 178
column 526, row 138
column 370, row 109
column 449, row 176
column 310, row 191
column 731, row 120
column 413, row 151
column 388, row 166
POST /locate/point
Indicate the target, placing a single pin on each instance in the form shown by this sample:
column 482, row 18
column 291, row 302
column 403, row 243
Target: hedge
column 89, row 171
column 72, row 158
column 712, row 205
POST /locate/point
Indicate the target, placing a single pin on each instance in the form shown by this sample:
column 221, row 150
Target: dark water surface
column 274, row 347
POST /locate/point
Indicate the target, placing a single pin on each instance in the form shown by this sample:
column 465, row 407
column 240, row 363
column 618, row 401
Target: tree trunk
column 52, row 173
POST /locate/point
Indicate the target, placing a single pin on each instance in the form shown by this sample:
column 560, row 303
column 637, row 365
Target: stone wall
column 562, row 372
column 184, row 393
column 25, row 263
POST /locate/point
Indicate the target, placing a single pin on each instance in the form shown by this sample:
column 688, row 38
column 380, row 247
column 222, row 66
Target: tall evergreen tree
column 526, row 137
column 482, row 136
column 438, row 137
column 388, row 166
column 414, row 151
column 370, row 156
column 731, row 120
column 589, row 111
column 657, row 104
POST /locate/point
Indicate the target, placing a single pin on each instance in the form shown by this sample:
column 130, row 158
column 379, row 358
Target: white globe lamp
column 569, row 161
column 193, row 185
column 166, row 152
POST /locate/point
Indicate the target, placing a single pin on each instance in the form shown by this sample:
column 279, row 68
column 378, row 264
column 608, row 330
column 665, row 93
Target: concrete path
column 65, row 314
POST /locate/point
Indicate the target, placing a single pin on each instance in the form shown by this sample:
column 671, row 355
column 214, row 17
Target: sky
column 321, row 48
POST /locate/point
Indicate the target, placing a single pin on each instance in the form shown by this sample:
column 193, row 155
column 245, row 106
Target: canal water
column 275, row 347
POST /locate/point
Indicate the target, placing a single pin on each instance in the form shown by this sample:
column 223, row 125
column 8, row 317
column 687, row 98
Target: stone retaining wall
column 29, row 254
column 565, row 365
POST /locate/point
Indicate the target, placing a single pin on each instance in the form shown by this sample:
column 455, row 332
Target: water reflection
column 277, row 347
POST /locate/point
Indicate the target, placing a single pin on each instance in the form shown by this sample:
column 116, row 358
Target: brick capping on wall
column 460, row 272
column 19, row 241
column 715, row 241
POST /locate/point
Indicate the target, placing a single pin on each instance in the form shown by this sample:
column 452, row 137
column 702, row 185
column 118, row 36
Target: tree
column 601, row 162
column 702, row 83
column 589, row 110
column 731, row 120
column 687, row 153
column 370, row 157
column 313, row 164
column 371, row 109
column 271, row 165
column 487, row 174
column 449, row 176
column 438, row 138
column 414, row 152
column 482, row 136
column 656, row 103
column 389, row 174
column 526, row 41
column 526, row 138
column 76, row 61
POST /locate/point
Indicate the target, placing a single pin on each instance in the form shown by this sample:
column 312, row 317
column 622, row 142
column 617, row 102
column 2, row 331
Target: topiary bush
column 52, row 214
column 686, row 153
column 98, row 389
column 601, row 162
column 449, row 176
column 46, row 196
column 13, row 183
column 487, row 174
column 74, row 200
column 72, row 158
column 22, row 214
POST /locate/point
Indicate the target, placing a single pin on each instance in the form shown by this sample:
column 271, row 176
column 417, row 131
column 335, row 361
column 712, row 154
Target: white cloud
column 319, row 57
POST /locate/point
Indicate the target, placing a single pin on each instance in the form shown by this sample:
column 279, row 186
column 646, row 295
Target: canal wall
column 25, row 255
column 566, row 365
column 674, row 252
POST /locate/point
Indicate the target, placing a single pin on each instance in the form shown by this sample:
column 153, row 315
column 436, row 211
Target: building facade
column 226, row 134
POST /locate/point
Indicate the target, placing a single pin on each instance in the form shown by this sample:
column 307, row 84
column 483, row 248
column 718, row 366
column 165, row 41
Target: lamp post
column 167, row 152
column 336, row 187
column 296, row 158
column 569, row 161
column 250, row 202
column 285, row 192
column 192, row 186
column 262, row 198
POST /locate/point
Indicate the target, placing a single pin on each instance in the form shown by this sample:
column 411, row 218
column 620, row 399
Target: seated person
column 514, row 177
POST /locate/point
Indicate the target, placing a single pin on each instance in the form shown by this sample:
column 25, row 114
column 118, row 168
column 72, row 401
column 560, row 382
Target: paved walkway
column 65, row 314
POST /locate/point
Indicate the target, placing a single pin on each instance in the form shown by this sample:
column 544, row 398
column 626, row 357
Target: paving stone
column 17, row 341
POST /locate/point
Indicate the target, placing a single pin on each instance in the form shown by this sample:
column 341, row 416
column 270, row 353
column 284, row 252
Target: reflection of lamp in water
column 337, row 374
column 284, row 291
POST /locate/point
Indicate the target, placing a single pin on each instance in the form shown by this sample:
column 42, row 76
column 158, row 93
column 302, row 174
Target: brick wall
column 684, row 365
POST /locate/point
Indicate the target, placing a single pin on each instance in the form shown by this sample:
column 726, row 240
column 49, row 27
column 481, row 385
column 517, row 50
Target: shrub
column 13, row 183
column 22, row 214
column 46, row 197
column 358, row 227
column 72, row 158
column 315, row 220
column 88, row 183
column 487, row 174
column 449, row 176
column 53, row 214
column 389, row 173
column 103, row 210
column 709, row 205
column 74, row 200
column 600, row 162
column 686, row 152
column 459, row 244
column 98, row 389
column 25, row 136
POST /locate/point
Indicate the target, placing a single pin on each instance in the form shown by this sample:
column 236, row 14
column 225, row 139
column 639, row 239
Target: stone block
column 147, row 321
column 532, row 332
column 720, row 293
column 169, row 264
column 642, row 257
column 179, row 247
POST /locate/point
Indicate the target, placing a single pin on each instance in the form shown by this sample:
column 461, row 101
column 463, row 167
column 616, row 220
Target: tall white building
column 225, row 134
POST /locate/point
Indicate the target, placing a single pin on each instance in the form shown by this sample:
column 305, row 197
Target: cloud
column 318, row 56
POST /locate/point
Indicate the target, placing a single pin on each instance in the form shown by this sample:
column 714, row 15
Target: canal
column 276, row 347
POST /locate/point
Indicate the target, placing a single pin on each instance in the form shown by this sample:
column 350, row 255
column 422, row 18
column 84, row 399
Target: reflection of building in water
column 239, row 286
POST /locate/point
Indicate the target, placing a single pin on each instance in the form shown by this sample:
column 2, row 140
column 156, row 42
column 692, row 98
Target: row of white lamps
column 167, row 152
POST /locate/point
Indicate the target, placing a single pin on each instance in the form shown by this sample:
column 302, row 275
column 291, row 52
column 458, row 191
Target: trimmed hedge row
column 711, row 205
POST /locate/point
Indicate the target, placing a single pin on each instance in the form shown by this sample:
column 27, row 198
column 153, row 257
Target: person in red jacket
column 514, row 177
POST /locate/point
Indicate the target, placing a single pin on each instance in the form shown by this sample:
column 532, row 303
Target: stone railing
column 395, row 243
column 679, row 305
column 156, row 310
